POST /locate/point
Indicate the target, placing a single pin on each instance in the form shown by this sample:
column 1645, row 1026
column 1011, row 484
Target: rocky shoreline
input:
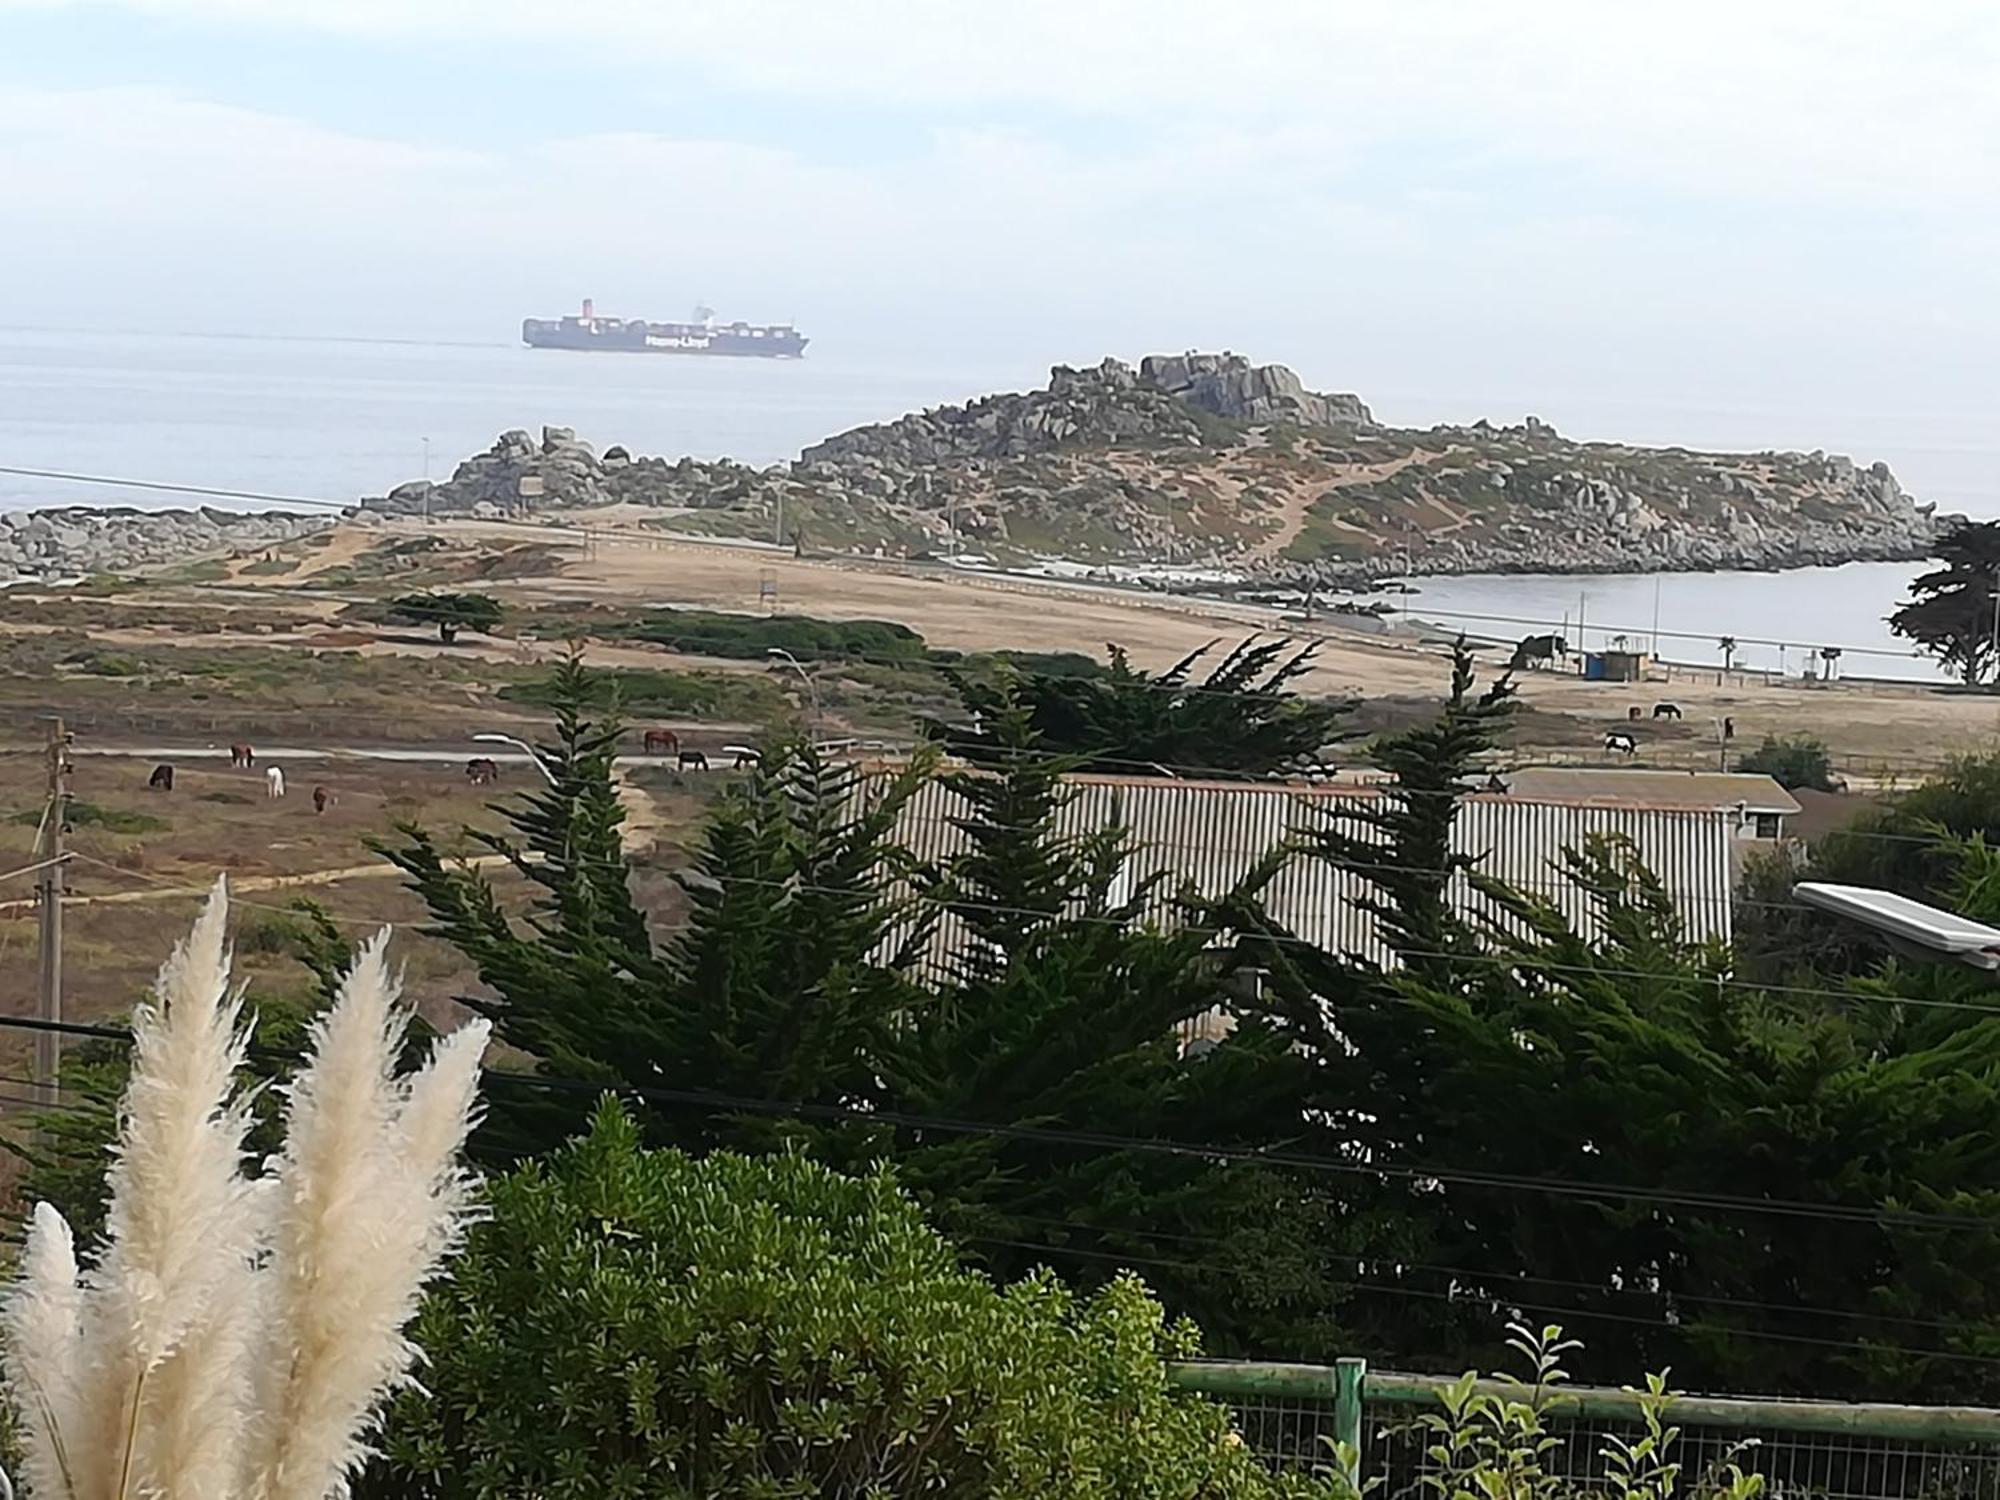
column 79, row 539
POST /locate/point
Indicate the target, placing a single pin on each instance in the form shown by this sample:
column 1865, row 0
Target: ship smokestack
column 589, row 309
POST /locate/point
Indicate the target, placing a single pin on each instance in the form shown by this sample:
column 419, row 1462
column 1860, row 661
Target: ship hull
column 662, row 338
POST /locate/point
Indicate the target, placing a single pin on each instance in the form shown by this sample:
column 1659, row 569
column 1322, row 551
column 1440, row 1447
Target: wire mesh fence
column 1295, row 1416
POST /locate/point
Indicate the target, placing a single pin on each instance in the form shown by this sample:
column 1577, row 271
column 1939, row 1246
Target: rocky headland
column 1209, row 460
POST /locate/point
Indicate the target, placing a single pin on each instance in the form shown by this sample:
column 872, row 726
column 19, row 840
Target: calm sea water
column 1778, row 620
column 332, row 420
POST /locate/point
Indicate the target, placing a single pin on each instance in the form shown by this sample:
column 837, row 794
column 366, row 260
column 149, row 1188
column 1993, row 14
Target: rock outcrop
column 1207, row 459
column 1230, row 386
column 78, row 539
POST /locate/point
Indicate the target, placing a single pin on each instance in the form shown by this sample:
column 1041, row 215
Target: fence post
column 1350, row 1380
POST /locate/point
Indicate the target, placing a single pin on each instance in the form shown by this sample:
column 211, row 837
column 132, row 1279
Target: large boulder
column 1228, row 385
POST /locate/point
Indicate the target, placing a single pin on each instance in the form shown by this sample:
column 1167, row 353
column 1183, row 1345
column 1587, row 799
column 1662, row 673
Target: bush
column 646, row 693
column 1798, row 762
column 700, row 632
column 84, row 814
column 637, row 1323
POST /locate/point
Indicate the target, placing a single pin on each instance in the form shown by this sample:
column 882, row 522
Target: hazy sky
column 1757, row 206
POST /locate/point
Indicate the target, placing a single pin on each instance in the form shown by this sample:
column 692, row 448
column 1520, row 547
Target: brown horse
column 481, row 772
column 323, row 798
column 662, row 742
column 240, row 754
column 162, row 779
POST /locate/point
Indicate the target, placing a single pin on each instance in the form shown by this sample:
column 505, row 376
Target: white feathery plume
column 236, row 1336
column 439, row 1113
column 179, row 1231
column 40, row 1317
column 191, row 1428
column 367, row 1199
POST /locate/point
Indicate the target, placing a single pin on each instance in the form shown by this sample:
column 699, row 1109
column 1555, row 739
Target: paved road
column 440, row 756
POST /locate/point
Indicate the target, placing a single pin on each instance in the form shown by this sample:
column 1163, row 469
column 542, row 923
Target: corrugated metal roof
column 1715, row 791
column 1210, row 834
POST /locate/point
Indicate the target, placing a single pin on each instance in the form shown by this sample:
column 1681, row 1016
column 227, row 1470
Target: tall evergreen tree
column 773, row 992
column 1064, row 992
column 1953, row 612
column 1245, row 718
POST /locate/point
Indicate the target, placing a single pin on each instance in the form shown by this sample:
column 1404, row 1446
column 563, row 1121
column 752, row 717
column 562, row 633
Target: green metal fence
column 1292, row 1416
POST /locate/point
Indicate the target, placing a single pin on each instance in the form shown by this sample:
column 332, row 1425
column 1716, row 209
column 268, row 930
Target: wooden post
column 48, row 1043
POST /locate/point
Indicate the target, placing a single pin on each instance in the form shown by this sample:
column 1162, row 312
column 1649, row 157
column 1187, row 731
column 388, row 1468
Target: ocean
column 1779, row 621
column 330, row 420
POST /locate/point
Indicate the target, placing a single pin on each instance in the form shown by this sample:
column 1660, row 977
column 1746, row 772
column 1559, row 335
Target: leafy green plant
column 703, row 632
column 1494, row 1439
column 633, row 1323
column 1794, row 762
column 449, row 613
column 84, row 814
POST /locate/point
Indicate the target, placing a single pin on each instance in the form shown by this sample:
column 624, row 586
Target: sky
column 1750, row 212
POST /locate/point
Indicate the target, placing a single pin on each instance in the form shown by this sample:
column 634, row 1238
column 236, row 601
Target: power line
column 215, row 492
column 1390, row 1260
column 263, row 497
column 720, row 1103
column 1727, row 1331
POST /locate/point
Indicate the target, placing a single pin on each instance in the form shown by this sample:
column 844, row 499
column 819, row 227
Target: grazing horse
column 1666, row 710
column 746, row 755
column 480, row 771
column 1634, row 713
column 693, row 760
column 162, row 779
column 1539, row 650
column 274, row 781
column 240, row 754
column 1621, row 743
column 323, row 798
column 662, row 742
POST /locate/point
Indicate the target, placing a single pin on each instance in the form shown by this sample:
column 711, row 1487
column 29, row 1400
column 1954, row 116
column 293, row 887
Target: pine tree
column 1246, row 718
column 773, row 992
column 1058, row 1014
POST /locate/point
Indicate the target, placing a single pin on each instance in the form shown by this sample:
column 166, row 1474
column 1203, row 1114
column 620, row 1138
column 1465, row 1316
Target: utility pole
column 48, row 1044
column 1993, row 639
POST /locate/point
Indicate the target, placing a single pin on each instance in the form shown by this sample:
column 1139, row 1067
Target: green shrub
column 84, row 814
column 1799, row 761
column 637, row 1323
column 1497, row 1439
column 700, row 632
column 648, row 692
column 106, row 664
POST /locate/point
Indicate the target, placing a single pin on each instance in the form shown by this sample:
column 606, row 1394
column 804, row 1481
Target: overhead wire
column 1687, row 1327
column 1422, row 1175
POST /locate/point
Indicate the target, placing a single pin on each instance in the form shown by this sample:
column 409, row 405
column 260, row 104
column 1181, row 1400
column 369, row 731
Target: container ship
column 701, row 335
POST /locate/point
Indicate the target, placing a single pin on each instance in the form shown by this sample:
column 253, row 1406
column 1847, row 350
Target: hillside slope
column 1210, row 460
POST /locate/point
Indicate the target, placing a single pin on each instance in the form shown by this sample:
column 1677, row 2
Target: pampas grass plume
column 238, row 1333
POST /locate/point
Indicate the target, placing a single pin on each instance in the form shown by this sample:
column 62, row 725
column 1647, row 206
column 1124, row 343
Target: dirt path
column 1292, row 517
column 305, row 879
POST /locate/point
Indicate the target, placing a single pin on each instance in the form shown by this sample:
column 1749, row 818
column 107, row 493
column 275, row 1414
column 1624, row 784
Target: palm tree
column 1728, row 645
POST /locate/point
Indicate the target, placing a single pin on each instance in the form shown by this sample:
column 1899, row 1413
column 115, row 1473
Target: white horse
column 274, row 781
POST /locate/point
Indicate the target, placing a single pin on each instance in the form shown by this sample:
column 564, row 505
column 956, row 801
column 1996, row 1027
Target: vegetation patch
column 698, row 632
column 84, row 814
column 648, row 692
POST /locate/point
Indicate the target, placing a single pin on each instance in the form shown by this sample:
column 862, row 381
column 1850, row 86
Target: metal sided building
column 1211, row 834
